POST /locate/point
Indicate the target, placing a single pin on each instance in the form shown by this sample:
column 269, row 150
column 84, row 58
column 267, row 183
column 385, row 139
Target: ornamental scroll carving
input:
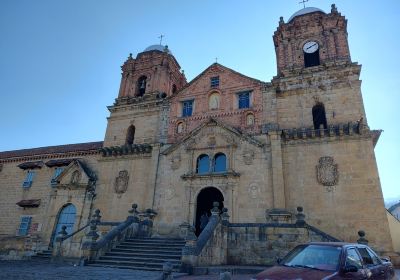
column 121, row 182
column 327, row 172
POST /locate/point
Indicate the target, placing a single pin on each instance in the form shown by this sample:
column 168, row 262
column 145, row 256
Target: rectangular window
column 187, row 108
column 214, row 82
column 28, row 179
column 57, row 172
column 244, row 100
column 24, row 225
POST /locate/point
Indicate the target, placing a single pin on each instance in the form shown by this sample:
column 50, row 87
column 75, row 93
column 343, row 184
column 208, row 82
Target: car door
column 353, row 259
column 373, row 263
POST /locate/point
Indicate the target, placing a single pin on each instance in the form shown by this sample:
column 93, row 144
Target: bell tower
column 139, row 113
column 311, row 38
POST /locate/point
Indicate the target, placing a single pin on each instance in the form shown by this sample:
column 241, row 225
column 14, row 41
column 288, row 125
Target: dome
column 304, row 11
column 160, row 48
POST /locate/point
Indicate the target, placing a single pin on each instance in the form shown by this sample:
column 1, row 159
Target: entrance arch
column 66, row 217
column 204, row 204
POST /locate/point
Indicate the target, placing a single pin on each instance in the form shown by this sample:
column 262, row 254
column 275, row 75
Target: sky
column 60, row 60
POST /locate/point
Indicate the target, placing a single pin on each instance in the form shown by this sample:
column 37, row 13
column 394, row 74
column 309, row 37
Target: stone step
column 136, row 250
column 152, row 240
column 140, row 259
column 150, row 255
column 149, row 246
column 136, row 264
column 132, row 267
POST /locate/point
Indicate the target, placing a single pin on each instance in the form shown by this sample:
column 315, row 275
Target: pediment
column 213, row 134
column 76, row 174
column 224, row 73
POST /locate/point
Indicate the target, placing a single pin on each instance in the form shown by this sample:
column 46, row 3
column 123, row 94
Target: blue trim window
column 187, row 108
column 24, row 225
column 220, row 162
column 56, row 173
column 244, row 100
column 28, row 179
column 214, row 81
column 203, row 164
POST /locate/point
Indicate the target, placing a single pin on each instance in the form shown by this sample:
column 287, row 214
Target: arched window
column 319, row 117
column 219, row 163
column 141, row 86
column 203, row 164
column 130, row 135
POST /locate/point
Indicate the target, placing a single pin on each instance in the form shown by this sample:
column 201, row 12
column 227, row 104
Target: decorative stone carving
column 121, row 182
column 175, row 162
column 250, row 120
column 254, row 191
column 169, row 193
column 248, row 157
column 75, row 177
column 327, row 172
column 179, row 128
column 211, row 141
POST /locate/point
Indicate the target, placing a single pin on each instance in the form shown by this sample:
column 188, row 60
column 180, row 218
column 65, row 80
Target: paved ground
column 39, row 270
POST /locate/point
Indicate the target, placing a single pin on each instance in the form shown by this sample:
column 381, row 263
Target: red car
column 330, row 260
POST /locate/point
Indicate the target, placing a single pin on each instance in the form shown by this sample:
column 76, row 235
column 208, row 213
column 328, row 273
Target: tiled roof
column 52, row 150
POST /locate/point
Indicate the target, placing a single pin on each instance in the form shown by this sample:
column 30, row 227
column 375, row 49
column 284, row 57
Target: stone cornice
column 227, row 174
column 49, row 156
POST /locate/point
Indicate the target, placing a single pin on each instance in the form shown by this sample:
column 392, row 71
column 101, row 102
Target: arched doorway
column 205, row 200
column 66, row 217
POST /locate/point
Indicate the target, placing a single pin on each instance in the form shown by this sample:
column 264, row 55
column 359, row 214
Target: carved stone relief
column 176, row 162
column 169, row 193
column 248, row 157
column 75, row 177
column 327, row 172
column 121, row 182
column 254, row 191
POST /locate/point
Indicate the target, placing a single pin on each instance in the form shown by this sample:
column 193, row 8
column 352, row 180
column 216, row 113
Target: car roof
column 336, row 244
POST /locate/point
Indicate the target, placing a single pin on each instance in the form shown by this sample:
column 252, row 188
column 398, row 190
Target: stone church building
column 173, row 147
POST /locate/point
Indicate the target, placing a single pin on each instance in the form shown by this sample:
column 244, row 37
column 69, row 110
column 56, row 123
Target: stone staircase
column 43, row 255
column 143, row 254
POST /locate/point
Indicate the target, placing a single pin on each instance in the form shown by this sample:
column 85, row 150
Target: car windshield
column 314, row 256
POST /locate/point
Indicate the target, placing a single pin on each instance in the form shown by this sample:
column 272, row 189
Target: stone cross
column 303, row 2
column 161, row 36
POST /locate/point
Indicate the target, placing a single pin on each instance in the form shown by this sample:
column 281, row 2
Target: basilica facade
column 173, row 146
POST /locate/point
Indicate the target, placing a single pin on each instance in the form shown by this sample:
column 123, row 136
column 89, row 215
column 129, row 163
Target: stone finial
column 300, row 216
column 225, row 216
column 134, row 210
column 362, row 239
column 167, row 271
column 62, row 233
column 281, row 21
column 215, row 209
column 333, row 9
column 225, row 275
column 96, row 216
column 130, row 56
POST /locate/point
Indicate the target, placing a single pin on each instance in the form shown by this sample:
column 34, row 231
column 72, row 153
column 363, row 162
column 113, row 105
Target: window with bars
column 187, row 108
column 24, row 225
column 244, row 100
column 56, row 173
column 214, row 81
column 28, row 179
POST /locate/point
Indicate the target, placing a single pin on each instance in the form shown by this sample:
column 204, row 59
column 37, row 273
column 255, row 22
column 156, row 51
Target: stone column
column 277, row 170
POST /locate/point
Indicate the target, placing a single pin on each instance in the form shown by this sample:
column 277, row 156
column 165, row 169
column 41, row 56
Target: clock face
column 310, row 47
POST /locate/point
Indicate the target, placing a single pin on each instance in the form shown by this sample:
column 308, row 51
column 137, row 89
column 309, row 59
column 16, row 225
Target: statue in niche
column 179, row 128
column 75, row 177
column 121, row 182
column 213, row 101
column 250, row 120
